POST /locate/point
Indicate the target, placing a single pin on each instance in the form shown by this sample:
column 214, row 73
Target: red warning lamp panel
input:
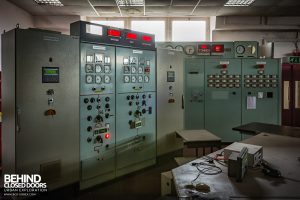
column 204, row 49
column 107, row 136
column 113, row 32
column 131, row 36
column 147, row 38
column 217, row 49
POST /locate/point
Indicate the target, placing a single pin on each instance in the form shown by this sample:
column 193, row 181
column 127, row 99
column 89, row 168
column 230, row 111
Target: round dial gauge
column 133, row 79
column 141, row 70
column 89, row 68
column 133, row 70
column 169, row 47
column 98, row 79
column 189, row 50
column 106, row 69
column 140, row 79
column 89, row 79
column 126, row 70
column 240, row 49
column 98, row 68
column 126, row 79
column 146, row 79
column 106, row 79
column 179, row 48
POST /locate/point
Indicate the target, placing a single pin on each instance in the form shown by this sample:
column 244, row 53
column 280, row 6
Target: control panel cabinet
column 97, row 114
column 41, row 105
column 223, row 97
column 135, row 109
column 261, row 91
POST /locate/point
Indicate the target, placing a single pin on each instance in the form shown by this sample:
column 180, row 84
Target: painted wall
column 10, row 15
column 283, row 31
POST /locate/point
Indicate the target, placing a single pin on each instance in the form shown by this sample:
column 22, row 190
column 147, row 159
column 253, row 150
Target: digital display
column 203, row 49
column 138, row 124
column 94, row 29
column 131, row 36
column 50, row 75
column 100, row 131
column 170, row 76
column 147, row 38
column 113, row 33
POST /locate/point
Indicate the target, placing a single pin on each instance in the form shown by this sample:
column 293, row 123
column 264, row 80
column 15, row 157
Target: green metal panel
column 135, row 110
column 223, row 97
column 194, row 94
column 261, row 84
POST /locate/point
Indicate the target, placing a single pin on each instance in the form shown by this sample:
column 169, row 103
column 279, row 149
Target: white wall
column 10, row 15
column 283, row 31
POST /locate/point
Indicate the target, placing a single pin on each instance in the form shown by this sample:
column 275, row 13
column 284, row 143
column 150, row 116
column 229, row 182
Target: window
column 154, row 27
column 188, row 30
column 118, row 24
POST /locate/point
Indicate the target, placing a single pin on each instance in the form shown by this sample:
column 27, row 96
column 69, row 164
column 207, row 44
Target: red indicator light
column 107, row 136
column 218, row 48
column 204, row 46
column 224, row 66
column 114, row 33
column 261, row 66
column 147, row 38
column 131, row 36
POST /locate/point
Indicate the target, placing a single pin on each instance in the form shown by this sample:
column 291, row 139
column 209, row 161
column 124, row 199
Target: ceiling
column 163, row 8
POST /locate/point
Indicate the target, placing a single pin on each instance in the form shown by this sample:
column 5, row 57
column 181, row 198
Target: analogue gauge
column 89, row 79
column 98, row 79
column 106, row 79
column 240, row 49
column 140, row 79
column 126, row 70
column 98, row 58
column 126, row 79
column 98, row 68
column 146, row 78
column 179, row 48
column 141, row 70
column 89, row 68
column 133, row 79
column 169, row 47
column 189, row 50
column 133, row 70
column 106, row 69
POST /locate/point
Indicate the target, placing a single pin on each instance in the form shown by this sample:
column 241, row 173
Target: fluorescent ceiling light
column 131, row 2
column 49, row 2
column 238, row 2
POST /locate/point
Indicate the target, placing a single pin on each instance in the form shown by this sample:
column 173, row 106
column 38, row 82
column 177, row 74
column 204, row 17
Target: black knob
column 98, row 99
column 89, row 129
column 107, row 105
column 144, row 111
column 130, row 103
column 143, row 102
column 89, row 139
column 149, row 96
column 106, row 146
column 99, row 118
column 130, row 112
column 132, row 96
column 86, row 100
column 144, row 96
column 107, row 115
column 137, row 112
column 89, row 118
column 128, row 97
column 137, row 96
column 107, row 99
column 89, row 107
column 92, row 100
column 130, row 122
column 93, row 89
column 98, row 106
column 137, row 103
column 99, row 139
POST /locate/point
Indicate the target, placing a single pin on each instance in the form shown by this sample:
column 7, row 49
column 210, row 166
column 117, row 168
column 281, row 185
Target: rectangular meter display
column 50, row 75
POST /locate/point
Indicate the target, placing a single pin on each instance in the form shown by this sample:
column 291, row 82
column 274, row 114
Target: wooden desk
column 280, row 151
column 199, row 138
column 256, row 128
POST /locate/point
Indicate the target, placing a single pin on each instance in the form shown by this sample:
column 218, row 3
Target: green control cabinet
column 135, row 109
column 223, row 97
column 261, row 91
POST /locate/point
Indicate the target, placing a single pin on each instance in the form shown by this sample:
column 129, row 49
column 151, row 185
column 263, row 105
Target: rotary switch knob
column 132, row 96
column 107, row 105
column 89, row 139
column 89, row 118
column 137, row 96
column 130, row 103
column 89, row 107
column 107, row 115
column 86, row 100
column 144, row 96
column 143, row 102
column 130, row 112
column 128, row 97
column 99, row 139
column 107, row 99
column 92, row 100
column 144, row 111
column 99, row 118
column 89, row 129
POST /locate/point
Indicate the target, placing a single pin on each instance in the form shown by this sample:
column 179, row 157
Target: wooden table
column 199, row 138
column 281, row 152
column 256, row 128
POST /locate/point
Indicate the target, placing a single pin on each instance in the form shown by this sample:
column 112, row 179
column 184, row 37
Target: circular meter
column 141, row 70
column 98, row 68
column 146, row 79
column 106, row 79
column 240, row 49
column 179, row 48
column 106, row 69
column 189, row 50
column 89, row 79
column 126, row 79
column 133, row 70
